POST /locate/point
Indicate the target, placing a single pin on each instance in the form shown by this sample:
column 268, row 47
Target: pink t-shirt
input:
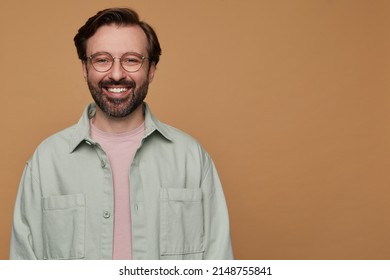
column 120, row 149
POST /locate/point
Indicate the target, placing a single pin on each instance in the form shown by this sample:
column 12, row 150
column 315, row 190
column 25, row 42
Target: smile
column 117, row 90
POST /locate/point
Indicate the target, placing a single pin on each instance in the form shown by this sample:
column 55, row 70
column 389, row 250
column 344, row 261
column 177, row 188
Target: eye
column 101, row 59
column 131, row 60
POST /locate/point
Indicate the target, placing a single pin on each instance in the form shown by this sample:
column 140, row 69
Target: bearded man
column 120, row 184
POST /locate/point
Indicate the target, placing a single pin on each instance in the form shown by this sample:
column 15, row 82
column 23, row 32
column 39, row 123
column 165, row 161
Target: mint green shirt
column 65, row 203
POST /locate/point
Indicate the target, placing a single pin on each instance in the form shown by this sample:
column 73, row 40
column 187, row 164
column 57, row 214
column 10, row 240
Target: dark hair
column 119, row 16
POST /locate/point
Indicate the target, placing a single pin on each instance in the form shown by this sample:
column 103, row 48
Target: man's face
column 117, row 92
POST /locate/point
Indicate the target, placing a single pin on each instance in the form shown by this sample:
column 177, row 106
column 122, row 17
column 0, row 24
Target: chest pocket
column 181, row 223
column 64, row 226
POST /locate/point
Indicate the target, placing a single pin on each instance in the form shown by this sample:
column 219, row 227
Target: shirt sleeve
column 216, row 218
column 26, row 229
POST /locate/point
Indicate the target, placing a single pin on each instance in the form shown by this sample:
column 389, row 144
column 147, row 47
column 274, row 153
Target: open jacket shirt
column 65, row 203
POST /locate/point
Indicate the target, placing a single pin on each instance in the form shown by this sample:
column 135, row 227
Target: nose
column 117, row 72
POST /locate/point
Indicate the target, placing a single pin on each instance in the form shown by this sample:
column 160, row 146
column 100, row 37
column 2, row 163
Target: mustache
column 125, row 83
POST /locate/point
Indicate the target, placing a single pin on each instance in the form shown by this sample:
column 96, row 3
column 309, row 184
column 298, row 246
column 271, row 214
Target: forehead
column 118, row 40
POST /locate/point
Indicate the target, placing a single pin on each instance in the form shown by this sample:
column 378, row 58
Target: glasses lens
column 102, row 62
column 132, row 62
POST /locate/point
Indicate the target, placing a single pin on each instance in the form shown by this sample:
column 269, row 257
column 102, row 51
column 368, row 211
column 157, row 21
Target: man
column 120, row 184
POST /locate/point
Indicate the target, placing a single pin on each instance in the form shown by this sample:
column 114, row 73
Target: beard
column 119, row 107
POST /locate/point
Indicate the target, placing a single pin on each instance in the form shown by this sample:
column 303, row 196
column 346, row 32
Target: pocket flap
column 179, row 194
column 63, row 201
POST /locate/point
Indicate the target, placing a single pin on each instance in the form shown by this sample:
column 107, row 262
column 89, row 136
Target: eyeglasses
column 103, row 61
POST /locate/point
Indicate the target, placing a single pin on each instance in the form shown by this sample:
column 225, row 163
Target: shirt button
column 106, row 214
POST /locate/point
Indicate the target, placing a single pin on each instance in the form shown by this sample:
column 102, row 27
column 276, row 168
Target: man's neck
column 118, row 125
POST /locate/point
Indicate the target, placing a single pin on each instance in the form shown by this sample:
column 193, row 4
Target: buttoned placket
column 107, row 215
column 138, row 219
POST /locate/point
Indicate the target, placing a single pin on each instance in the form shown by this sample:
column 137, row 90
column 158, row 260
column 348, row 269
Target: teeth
column 117, row 90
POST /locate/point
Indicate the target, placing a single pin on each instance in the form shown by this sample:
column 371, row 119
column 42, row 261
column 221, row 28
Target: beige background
column 291, row 98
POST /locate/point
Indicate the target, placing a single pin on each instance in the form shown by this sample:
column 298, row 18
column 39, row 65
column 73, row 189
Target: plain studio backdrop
column 290, row 98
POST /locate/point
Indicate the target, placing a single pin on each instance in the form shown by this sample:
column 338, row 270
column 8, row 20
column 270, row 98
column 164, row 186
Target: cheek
column 141, row 76
column 94, row 78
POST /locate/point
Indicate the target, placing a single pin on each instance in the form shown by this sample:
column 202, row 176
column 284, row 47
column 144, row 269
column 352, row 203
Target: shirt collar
column 81, row 132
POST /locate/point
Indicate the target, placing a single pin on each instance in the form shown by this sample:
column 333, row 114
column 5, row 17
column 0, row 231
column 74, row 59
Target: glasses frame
column 120, row 60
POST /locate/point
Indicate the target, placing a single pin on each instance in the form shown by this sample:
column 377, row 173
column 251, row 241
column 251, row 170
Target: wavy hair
column 118, row 16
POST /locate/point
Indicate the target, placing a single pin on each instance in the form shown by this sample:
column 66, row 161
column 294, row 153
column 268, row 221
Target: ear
column 152, row 69
column 85, row 70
